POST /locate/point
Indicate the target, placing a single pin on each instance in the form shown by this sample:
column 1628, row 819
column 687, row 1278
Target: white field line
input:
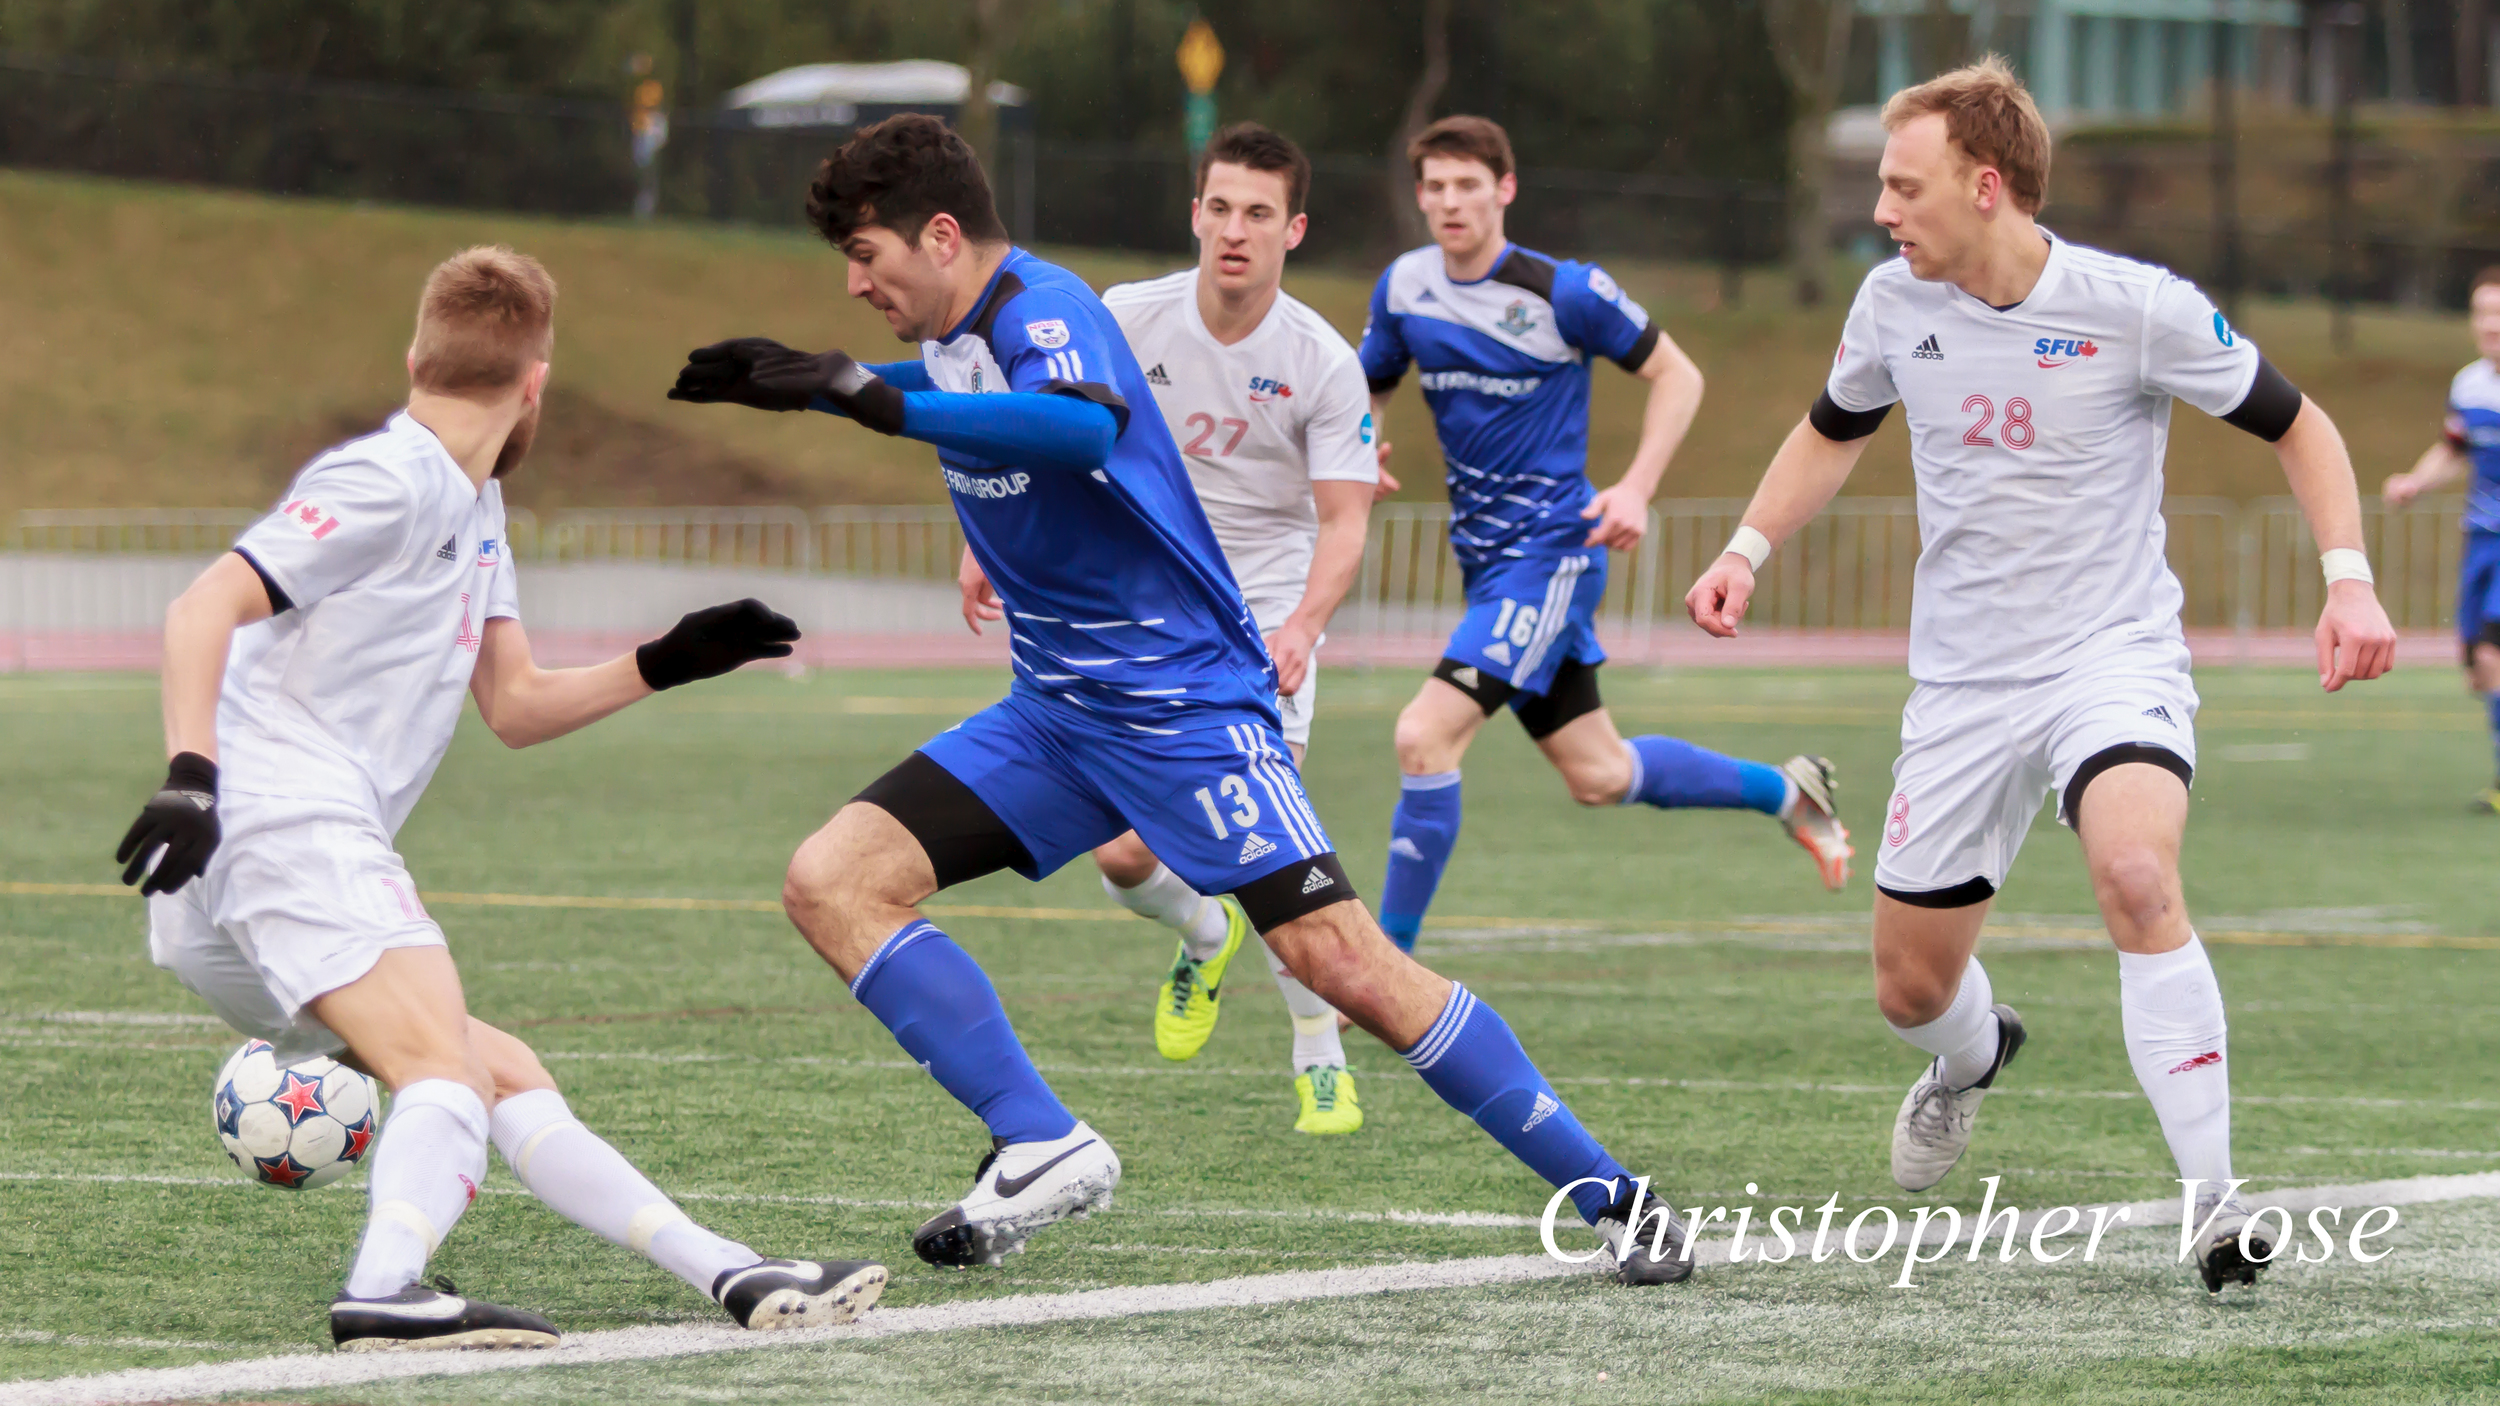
column 312, row 1371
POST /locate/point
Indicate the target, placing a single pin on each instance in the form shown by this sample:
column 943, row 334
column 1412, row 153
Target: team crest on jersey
column 2055, row 352
column 1515, row 319
column 1050, row 334
column 487, row 552
column 1266, row 388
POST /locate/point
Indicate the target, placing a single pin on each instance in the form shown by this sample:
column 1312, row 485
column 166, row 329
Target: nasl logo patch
column 1367, row 427
column 1050, row 334
column 2222, row 330
column 1603, row 286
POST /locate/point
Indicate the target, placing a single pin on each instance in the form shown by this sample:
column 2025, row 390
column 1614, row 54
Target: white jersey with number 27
column 1257, row 422
column 2037, row 434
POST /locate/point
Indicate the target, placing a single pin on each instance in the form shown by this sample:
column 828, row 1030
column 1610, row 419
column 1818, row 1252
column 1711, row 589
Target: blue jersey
column 2474, row 426
column 1505, row 362
column 1118, row 599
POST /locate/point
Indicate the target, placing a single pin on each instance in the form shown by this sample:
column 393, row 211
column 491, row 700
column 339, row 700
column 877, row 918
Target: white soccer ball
column 297, row 1125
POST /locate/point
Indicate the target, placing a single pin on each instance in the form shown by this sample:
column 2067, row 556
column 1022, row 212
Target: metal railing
column 889, row 572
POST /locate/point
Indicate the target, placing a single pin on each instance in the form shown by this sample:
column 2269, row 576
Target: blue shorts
column 1222, row 806
column 2478, row 591
column 1528, row 616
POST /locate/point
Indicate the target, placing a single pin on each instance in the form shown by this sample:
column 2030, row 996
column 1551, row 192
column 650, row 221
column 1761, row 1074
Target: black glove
column 181, row 820
column 762, row 373
column 709, row 643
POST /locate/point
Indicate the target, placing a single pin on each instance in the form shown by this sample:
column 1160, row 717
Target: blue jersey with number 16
column 1505, row 368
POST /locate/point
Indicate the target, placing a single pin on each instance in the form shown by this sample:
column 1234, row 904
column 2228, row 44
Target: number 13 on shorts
column 1229, row 799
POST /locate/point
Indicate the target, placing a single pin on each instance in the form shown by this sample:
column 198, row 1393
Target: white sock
column 1315, row 1039
column 1965, row 1036
column 1169, row 900
column 2171, row 1009
column 589, row 1183
column 426, row 1171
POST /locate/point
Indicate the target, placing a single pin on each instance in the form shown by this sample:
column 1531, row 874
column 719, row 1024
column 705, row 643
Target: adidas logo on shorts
column 1156, row 377
column 1317, row 880
column 1255, row 847
column 2160, row 714
column 1465, row 677
column 1545, row 1108
column 1928, row 350
column 1498, row 651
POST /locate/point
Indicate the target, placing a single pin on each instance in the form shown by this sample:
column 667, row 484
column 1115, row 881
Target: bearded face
column 516, row 445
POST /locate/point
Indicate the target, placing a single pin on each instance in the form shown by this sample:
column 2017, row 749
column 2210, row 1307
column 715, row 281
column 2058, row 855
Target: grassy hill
column 179, row 348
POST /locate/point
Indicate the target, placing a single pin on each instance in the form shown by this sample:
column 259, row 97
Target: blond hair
column 1991, row 117
column 486, row 316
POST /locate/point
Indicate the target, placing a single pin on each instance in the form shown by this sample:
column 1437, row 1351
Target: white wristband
column 2346, row 564
column 1756, row 548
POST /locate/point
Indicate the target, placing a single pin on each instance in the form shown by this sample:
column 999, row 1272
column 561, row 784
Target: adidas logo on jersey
column 2160, row 714
column 1544, row 1108
column 1928, row 350
column 1255, row 847
column 1156, row 377
column 449, row 551
column 1316, row 880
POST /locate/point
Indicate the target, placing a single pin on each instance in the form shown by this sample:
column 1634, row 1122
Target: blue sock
column 2492, row 703
column 1422, row 832
column 1671, row 773
column 1474, row 1063
column 945, row 1014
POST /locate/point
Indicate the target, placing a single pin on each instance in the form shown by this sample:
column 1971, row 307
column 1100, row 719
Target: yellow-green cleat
column 1186, row 1005
column 1328, row 1103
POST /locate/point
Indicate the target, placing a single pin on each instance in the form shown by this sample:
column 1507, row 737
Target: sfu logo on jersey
column 2055, row 352
column 310, row 516
column 1266, row 388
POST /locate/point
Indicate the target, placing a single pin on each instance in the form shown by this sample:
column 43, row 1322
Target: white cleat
column 2219, row 1255
column 1020, row 1188
column 1812, row 818
column 1933, row 1128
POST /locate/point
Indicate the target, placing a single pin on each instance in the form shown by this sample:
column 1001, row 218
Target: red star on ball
column 299, row 1096
column 281, row 1170
column 359, row 1137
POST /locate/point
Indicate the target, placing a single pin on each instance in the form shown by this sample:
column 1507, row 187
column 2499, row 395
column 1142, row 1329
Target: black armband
column 1844, row 426
column 2270, row 406
column 279, row 604
column 1638, row 356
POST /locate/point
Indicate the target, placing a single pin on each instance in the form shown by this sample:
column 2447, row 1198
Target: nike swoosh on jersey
column 1014, row 1186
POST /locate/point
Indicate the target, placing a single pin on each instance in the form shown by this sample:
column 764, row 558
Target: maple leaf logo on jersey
column 310, row 516
column 2054, row 352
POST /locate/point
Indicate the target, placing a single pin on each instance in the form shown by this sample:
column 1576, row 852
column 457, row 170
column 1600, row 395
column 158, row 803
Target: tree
column 1420, row 101
column 1810, row 38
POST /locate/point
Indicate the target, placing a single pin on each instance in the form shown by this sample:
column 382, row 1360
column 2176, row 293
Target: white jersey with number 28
column 2037, row 434
column 1258, row 422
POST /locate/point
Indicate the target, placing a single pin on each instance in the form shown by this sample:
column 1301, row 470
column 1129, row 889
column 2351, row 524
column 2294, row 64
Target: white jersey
column 391, row 563
column 2036, row 436
column 1258, row 422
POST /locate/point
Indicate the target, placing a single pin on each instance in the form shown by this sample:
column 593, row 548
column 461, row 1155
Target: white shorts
column 300, row 899
column 1977, row 759
column 1294, row 709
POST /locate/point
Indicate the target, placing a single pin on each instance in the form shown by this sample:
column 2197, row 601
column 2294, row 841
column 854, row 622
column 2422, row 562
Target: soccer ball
column 297, row 1125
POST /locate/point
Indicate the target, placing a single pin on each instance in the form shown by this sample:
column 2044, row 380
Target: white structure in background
column 831, row 94
column 2106, row 58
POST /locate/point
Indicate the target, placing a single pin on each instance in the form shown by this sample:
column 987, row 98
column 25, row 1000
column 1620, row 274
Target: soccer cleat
column 775, row 1294
column 1812, row 818
column 1020, row 1188
column 2218, row 1254
column 2487, row 802
column 1649, row 1244
column 1933, row 1128
column 1185, row 1005
column 419, row 1318
column 1328, row 1102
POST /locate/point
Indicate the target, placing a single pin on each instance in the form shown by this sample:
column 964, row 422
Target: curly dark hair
column 899, row 173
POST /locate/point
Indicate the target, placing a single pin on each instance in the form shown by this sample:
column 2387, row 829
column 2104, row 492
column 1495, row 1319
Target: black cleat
column 1649, row 1244
column 2218, row 1254
column 773, row 1294
column 418, row 1318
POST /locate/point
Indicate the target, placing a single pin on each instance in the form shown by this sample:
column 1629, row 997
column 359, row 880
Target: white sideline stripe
column 306, row 1371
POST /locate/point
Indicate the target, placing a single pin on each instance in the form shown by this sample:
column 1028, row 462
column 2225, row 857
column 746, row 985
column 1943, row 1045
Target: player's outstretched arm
column 1620, row 512
column 2355, row 640
column 180, row 820
column 2440, row 465
column 1809, row 468
column 525, row 704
